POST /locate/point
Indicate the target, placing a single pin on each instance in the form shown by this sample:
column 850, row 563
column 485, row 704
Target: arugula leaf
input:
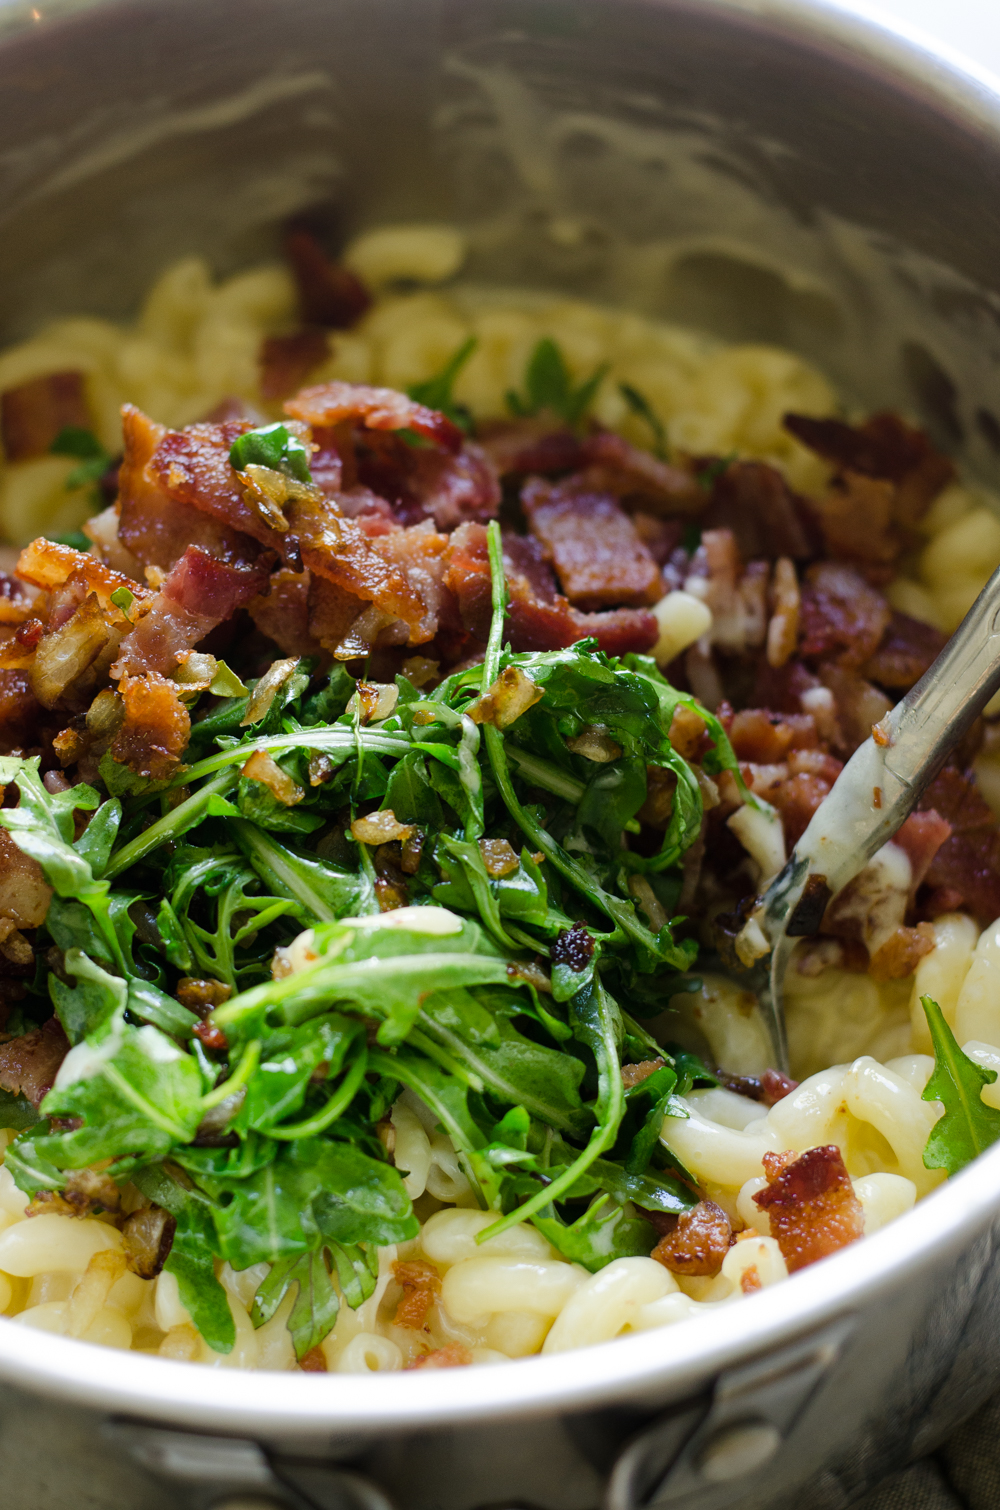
column 548, row 386
column 73, row 440
column 436, row 391
column 640, row 405
column 316, row 1306
column 272, row 446
column 968, row 1126
column 191, row 1258
column 603, row 1233
column 321, row 890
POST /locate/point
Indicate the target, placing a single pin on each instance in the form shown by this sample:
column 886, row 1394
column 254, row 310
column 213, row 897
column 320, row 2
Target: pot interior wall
column 686, row 160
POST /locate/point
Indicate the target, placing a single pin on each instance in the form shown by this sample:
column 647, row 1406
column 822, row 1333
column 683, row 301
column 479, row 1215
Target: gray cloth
column 964, row 1474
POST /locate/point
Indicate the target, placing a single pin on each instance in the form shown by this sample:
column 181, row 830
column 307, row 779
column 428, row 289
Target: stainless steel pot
column 770, row 170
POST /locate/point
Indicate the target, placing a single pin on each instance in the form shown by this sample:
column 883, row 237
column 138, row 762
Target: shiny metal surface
column 776, row 170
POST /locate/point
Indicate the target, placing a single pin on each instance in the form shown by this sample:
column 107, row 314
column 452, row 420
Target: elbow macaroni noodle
column 862, row 1047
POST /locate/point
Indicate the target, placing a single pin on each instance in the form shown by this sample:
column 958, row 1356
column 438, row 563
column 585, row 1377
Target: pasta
column 860, row 1045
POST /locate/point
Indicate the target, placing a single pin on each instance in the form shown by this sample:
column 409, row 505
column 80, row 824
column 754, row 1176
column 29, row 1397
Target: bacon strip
column 811, row 1205
column 330, row 404
column 329, row 294
column 598, row 557
column 199, row 593
column 698, row 1243
column 29, row 1064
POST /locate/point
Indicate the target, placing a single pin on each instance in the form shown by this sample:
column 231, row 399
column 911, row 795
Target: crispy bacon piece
column 811, row 1205
column 199, row 592
column 766, row 738
column 156, row 525
column 286, row 361
column 156, row 728
column 900, row 955
column 330, row 404
column 29, row 1064
column 965, row 870
column 612, row 465
column 313, row 1362
column 24, row 893
column 538, row 618
column 840, row 615
column 921, row 836
column 598, row 557
column 885, row 446
column 856, row 517
column 33, row 414
column 421, row 1282
column 329, row 294
column 453, row 487
column 907, row 649
column 19, row 711
column 755, row 502
column 45, row 564
column 698, row 1243
column 283, row 615
column 531, row 445
column 192, row 466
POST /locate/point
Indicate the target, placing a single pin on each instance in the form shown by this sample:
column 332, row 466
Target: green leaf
column 321, row 889
column 314, row 1312
column 73, row 440
column 16, row 1112
column 548, row 386
column 640, row 405
column 436, row 391
column 271, row 446
column 968, row 1126
column 603, row 1233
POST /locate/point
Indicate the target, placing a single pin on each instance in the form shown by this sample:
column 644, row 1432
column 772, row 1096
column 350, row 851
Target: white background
column 969, row 26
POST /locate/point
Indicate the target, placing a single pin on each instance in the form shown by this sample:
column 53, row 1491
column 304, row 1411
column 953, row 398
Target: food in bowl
column 393, row 763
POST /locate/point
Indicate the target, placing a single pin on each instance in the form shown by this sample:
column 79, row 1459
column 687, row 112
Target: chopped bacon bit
column 921, row 836
column 284, row 614
column 901, row 953
column 147, row 1238
column 33, row 414
column 29, row 1064
column 635, row 1074
column 24, row 893
column 783, row 630
column 766, row 738
column 48, row 565
column 858, row 705
column 841, row 615
column 202, row 996
column 421, row 1282
column 156, row 727
column 598, row 557
column 811, row 1204
column 330, row 404
column 498, row 857
column 884, row 446
column 907, row 649
column 313, row 1362
column 750, row 1280
column 573, row 947
column 775, row 1086
column 211, row 1036
column 755, row 502
column 452, row 1356
column 329, row 294
column 286, row 361
column 698, row 1243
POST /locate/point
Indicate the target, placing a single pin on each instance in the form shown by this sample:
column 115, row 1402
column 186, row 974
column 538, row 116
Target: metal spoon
column 873, row 795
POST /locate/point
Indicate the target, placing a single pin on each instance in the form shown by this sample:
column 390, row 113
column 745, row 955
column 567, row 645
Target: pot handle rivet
column 737, row 1449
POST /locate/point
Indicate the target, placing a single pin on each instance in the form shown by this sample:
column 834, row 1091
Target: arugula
column 968, row 1126
column 641, row 407
column 272, row 446
column 73, row 440
column 548, row 386
column 436, row 391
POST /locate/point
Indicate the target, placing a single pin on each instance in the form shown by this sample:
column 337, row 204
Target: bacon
column 19, row 711
column 901, row 953
column 286, row 361
column 337, row 549
column 883, row 447
column 199, row 593
column 535, row 620
column 856, row 519
column 755, row 502
column 698, row 1243
column 420, row 1283
column 283, row 615
column 614, row 466
column 24, row 893
column 598, row 557
column 811, row 1205
column 859, row 705
column 452, row 1356
column 453, row 488
column 29, row 1064
column 521, row 446
column 907, row 649
column 797, row 800
column 329, row 294
column 156, row 728
column 921, row 836
column 330, row 404
column 157, row 524
column 45, row 564
column 192, row 466
column 33, row 414
column 767, row 737
column 965, row 869
column 840, row 615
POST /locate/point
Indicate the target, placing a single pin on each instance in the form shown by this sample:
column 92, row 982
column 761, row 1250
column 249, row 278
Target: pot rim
column 671, row 1361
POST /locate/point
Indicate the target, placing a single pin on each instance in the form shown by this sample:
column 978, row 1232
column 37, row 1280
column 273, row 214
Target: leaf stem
column 184, row 816
column 249, row 1060
column 335, row 1107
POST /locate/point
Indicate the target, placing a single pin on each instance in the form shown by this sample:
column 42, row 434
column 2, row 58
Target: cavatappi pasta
column 861, row 1047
